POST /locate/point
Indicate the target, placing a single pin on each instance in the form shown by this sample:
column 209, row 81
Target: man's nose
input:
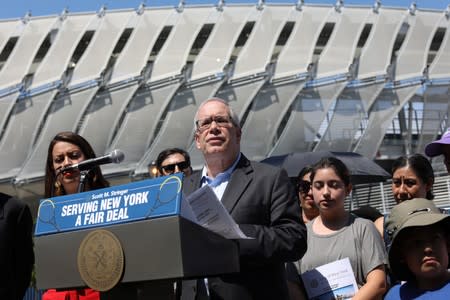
column 428, row 247
column 213, row 126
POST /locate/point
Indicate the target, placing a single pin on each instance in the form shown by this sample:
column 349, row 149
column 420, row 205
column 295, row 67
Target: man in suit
column 16, row 248
column 261, row 200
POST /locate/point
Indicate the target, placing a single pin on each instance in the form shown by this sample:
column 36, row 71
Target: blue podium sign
column 124, row 203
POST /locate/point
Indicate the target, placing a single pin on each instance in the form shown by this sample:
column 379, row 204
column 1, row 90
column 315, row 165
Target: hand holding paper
column 334, row 280
column 203, row 207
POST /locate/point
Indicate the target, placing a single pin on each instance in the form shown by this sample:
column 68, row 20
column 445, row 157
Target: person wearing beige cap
column 440, row 147
column 419, row 254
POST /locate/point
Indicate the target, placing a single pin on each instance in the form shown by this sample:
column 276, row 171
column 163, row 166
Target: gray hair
column 234, row 117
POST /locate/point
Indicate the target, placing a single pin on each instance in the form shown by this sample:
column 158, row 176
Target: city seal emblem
column 100, row 260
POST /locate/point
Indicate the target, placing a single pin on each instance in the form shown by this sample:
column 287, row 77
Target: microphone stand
column 83, row 177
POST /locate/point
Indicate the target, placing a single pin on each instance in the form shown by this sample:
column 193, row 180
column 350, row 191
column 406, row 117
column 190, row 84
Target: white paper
column 203, row 207
column 335, row 280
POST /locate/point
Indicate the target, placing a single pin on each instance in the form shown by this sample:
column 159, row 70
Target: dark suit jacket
column 262, row 201
column 16, row 248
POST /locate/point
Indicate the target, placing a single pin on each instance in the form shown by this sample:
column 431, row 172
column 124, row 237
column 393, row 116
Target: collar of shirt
column 219, row 184
column 221, row 177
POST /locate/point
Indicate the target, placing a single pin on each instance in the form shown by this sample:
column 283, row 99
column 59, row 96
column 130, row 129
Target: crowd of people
column 293, row 229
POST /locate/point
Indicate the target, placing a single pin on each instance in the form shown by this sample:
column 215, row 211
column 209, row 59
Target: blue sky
column 18, row 8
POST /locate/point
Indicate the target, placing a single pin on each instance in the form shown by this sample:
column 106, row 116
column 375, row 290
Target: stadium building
column 372, row 80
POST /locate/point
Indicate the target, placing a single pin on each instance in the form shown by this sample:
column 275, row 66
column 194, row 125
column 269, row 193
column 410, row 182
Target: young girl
column 420, row 250
column 336, row 234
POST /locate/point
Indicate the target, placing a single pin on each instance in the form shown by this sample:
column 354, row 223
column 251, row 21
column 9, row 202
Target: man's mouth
column 430, row 260
column 215, row 140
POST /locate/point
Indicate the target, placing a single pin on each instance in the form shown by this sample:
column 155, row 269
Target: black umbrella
column 362, row 169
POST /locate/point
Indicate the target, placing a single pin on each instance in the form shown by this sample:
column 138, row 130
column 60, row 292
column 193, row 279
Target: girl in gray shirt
column 336, row 234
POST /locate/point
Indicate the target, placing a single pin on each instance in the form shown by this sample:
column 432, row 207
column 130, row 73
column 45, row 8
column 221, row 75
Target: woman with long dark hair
column 65, row 149
column 337, row 234
column 68, row 148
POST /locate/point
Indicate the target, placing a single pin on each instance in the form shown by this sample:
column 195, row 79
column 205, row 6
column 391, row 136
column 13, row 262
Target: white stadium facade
column 372, row 80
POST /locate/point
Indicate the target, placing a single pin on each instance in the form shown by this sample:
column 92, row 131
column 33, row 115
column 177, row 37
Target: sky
column 18, row 8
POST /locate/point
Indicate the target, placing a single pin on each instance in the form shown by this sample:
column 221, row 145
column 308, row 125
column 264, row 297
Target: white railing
column 379, row 195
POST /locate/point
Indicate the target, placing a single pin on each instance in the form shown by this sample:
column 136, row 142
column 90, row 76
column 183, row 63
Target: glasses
column 182, row 165
column 303, row 186
column 205, row 124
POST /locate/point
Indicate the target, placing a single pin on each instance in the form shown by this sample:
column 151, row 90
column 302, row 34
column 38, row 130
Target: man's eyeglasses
column 205, row 124
column 303, row 186
column 182, row 165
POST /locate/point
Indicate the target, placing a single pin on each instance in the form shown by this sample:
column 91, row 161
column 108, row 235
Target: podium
column 156, row 253
column 162, row 249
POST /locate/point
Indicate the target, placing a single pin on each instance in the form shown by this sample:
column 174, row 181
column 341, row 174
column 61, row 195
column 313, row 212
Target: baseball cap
column 412, row 213
column 434, row 148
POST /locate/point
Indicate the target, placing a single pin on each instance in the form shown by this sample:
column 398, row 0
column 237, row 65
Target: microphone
column 116, row 156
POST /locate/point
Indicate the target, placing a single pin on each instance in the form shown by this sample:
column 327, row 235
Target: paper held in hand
column 335, row 280
column 204, row 208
